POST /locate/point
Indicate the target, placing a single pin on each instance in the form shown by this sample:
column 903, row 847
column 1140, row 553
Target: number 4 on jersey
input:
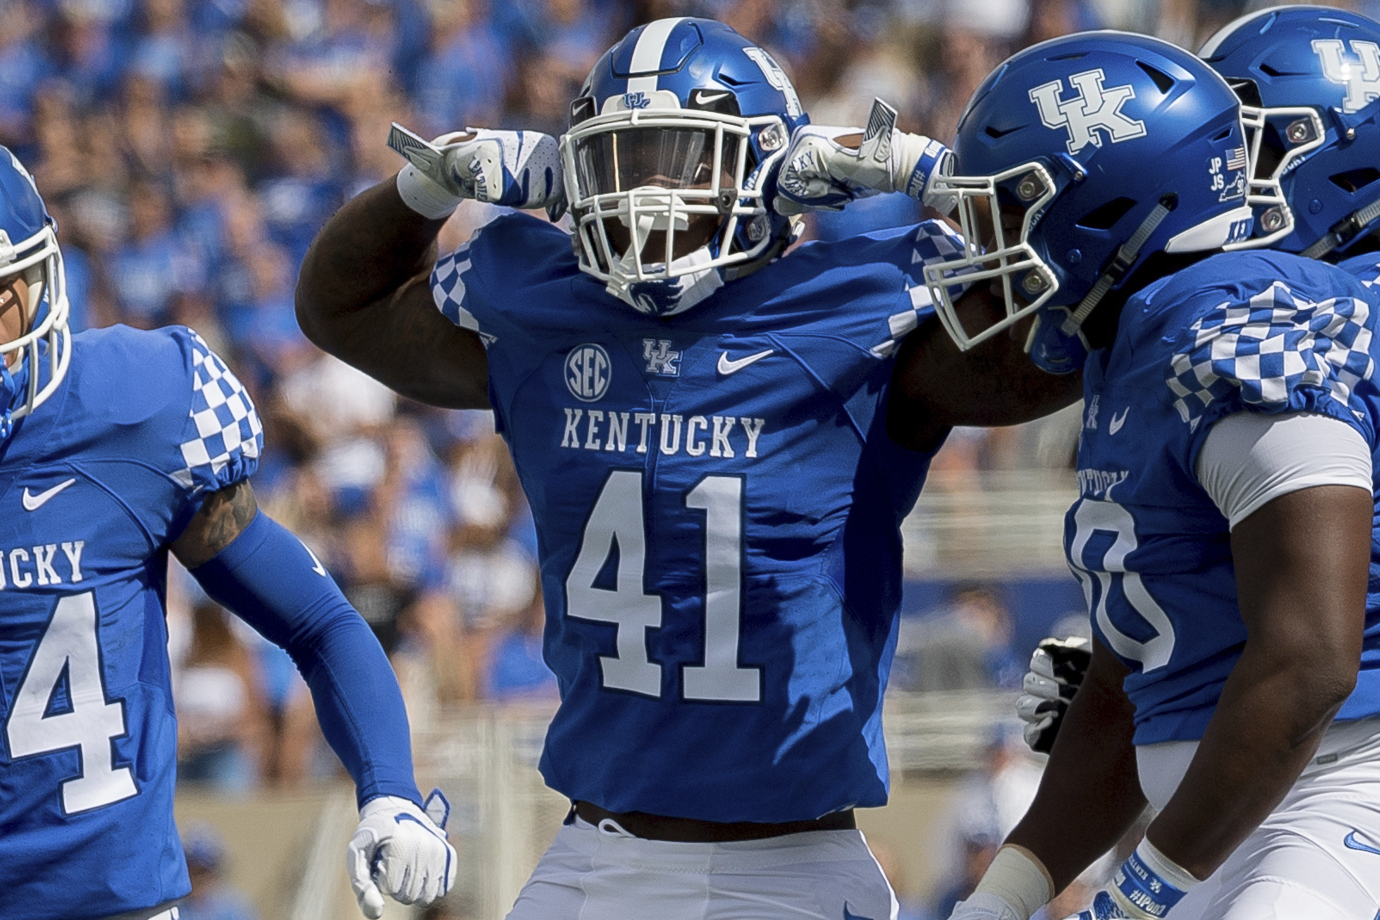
column 90, row 722
column 617, row 519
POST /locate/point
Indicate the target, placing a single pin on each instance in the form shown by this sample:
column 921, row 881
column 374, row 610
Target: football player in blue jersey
column 1311, row 105
column 700, row 425
column 117, row 447
column 1223, row 532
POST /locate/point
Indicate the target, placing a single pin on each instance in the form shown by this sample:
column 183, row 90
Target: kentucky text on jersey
column 599, row 429
column 41, row 565
column 1099, row 483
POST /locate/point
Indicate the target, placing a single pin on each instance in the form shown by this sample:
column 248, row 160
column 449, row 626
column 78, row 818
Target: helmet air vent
column 1161, row 79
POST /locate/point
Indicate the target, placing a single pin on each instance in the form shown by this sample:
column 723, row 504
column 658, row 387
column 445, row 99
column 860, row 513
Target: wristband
column 1018, row 878
column 1152, row 882
column 425, row 195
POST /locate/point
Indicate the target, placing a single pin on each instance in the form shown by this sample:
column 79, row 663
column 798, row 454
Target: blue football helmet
column 1076, row 160
column 1309, row 81
column 29, row 249
column 671, row 159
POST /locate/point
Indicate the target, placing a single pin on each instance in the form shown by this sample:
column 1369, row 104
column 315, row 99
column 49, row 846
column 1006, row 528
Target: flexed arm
column 364, row 291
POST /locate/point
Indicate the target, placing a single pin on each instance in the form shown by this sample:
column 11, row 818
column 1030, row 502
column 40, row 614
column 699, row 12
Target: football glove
column 823, row 173
column 400, row 850
column 518, row 169
column 1146, row 886
column 1056, row 670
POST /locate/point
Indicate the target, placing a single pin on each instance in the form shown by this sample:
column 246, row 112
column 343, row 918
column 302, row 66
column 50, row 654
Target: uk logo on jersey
column 1361, row 77
column 661, row 360
column 1094, row 112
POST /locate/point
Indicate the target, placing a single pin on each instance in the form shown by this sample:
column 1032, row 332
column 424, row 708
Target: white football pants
column 1316, row 857
column 604, row 873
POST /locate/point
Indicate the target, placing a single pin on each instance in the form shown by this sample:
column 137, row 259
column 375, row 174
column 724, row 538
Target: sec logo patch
column 587, row 372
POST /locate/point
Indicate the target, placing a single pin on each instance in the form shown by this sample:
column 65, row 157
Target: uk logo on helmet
column 1362, row 82
column 1093, row 112
column 636, row 101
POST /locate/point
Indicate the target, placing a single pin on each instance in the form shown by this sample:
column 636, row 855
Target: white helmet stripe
column 1212, row 44
column 651, row 45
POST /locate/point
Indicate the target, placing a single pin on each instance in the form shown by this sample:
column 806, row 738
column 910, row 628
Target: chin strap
column 1125, row 257
column 1344, row 231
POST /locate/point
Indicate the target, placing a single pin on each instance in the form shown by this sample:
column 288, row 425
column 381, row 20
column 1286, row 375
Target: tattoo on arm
column 223, row 516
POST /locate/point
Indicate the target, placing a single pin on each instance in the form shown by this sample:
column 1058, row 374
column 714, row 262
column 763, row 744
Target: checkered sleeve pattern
column 226, row 435
column 449, row 290
column 934, row 241
column 1277, row 352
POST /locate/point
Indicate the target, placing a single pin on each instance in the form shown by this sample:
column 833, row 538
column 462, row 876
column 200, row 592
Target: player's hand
column 1056, row 670
column 518, row 169
column 983, row 905
column 400, row 850
column 1138, row 891
column 826, row 167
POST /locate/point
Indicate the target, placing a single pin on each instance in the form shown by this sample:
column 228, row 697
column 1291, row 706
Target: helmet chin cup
column 688, row 286
column 1053, row 348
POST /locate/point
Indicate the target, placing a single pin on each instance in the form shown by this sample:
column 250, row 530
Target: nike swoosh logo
column 849, row 915
column 729, row 365
column 34, row 502
column 703, row 98
column 1117, row 421
column 316, row 565
column 1352, row 843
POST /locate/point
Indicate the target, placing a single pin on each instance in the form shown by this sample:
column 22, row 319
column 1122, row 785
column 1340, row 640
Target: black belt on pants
column 692, row 830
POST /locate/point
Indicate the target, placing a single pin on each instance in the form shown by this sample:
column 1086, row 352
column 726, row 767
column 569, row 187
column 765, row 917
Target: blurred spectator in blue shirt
column 155, row 265
column 212, row 897
column 23, row 65
column 463, row 77
column 302, row 191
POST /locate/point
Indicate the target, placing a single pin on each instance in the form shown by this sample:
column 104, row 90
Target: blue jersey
column 718, row 509
column 96, row 483
column 1246, row 331
column 1365, row 268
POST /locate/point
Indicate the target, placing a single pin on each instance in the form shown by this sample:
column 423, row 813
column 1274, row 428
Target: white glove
column 1057, row 667
column 1146, row 886
column 519, row 169
column 400, row 850
column 821, row 172
column 983, row 905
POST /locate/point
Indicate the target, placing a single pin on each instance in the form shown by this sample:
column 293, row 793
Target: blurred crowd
column 190, row 149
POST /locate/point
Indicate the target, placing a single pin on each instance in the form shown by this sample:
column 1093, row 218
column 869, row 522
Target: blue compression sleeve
column 269, row 579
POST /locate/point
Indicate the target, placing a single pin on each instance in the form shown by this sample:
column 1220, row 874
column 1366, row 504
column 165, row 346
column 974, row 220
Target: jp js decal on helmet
column 1309, row 81
column 33, row 363
column 1075, row 161
column 671, row 159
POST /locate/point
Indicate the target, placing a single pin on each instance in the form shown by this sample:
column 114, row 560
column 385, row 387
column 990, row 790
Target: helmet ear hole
column 1106, row 216
column 1355, row 179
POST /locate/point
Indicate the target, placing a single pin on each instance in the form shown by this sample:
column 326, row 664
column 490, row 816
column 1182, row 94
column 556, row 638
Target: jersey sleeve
column 1276, row 352
column 503, row 262
column 221, row 437
column 454, row 284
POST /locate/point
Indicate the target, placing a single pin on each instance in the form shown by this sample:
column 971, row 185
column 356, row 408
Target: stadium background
column 189, row 150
